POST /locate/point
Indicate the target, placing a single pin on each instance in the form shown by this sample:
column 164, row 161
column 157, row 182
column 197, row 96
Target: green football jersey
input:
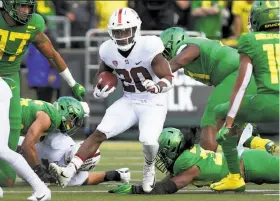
column 29, row 110
column 213, row 166
column 215, row 62
column 264, row 50
column 14, row 42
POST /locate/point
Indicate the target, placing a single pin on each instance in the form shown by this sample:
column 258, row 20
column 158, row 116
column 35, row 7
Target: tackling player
column 40, row 117
column 214, row 64
column 146, row 76
column 188, row 163
column 20, row 25
column 60, row 148
column 259, row 55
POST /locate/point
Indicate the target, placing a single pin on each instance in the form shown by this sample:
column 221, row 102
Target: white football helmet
column 124, row 28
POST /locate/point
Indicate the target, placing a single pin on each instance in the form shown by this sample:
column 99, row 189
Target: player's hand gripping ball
column 106, row 85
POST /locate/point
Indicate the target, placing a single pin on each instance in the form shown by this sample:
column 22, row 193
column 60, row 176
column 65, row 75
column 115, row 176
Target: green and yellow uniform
column 211, row 25
column 29, row 110
column 213, row 166
column 13, row 44
column 217, row 65
column 264, row 50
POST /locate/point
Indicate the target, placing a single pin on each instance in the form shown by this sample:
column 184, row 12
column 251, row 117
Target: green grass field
column 129, row 154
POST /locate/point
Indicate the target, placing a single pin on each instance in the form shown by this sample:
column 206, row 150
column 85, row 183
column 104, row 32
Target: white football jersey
column 135, row 68
column 54, row 149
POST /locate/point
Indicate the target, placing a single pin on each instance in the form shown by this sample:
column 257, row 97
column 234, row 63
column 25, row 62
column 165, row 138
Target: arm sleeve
column 244, row 46
column 39, row 25
column 156, row 47
column 184, row 162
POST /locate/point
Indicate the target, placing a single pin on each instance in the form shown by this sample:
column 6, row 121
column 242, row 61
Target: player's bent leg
column 151, row 120
column 118, row 117
column 208, row 138
column 263, row 170
column 14, row 159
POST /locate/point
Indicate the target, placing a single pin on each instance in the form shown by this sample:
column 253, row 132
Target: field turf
column 116, row 155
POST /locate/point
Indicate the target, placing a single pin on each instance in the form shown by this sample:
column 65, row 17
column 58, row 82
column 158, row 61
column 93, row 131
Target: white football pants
column 126, row 112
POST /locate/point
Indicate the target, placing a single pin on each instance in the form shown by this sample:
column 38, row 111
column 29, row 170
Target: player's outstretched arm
column 44, row 45
column 242, row 81
column 166, row 186
column 35, row 131
column 188, row 54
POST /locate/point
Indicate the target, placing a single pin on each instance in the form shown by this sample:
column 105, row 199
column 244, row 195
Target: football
column 107, row 79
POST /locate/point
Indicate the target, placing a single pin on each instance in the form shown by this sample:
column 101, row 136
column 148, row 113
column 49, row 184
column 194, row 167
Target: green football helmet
column 72, row 114
column 171, row 145
column 264, row 15
column 11, row 7
column 171, row 37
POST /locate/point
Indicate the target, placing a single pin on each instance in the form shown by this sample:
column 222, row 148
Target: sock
column 248, row 142
column 230, row 153
column 112, row 176
column 74, row 165
column 22, row 168
column 150, row 152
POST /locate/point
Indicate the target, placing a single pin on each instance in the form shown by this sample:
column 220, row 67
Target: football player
column 59, row 148
column 259, row 55
column 40, row 117
column 146, row 76
column 20, row 25
column 214, row 64
column 187, row 162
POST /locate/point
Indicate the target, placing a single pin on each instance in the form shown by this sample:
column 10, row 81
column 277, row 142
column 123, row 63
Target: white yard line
column 185, row 190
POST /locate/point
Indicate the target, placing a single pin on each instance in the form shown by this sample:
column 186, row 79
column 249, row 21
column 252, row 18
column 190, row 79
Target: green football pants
column 221, row 94
column 260, row 167
column 6, row 172
column 255, row 108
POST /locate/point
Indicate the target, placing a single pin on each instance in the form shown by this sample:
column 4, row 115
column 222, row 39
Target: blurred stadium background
column 77, row 28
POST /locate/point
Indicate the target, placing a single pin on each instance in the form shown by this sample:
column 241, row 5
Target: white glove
column 102, row 93
column 151, row 86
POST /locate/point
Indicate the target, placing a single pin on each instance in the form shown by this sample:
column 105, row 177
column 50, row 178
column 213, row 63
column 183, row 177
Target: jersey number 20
column 273, row 57
column 134, row 74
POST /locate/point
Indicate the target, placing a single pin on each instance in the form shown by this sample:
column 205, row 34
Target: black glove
column 45, row 176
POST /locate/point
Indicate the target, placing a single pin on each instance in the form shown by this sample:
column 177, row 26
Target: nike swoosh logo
column 61, row 174
column 138, row 62
column 40, row 198
column 152, row 186
column 13, row 87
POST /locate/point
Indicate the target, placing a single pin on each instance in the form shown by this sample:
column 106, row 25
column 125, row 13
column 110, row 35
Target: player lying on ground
column 59, row 148
column 260, row 56
column 214, row 64
column 146, row 76
column 40, row 117
column 20, row 26
column 188, row 163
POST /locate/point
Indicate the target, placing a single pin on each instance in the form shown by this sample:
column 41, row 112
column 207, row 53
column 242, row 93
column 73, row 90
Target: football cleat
column 149, row 178
column 263, row 144
column 125, row 175
column 232, row 182
column 62, row 175
column 41, row 195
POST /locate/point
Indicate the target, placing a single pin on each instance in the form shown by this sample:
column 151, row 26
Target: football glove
column 102, row 93
column 122, row 189
column 79, row 91
column 44, row 175
column 151, row 86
